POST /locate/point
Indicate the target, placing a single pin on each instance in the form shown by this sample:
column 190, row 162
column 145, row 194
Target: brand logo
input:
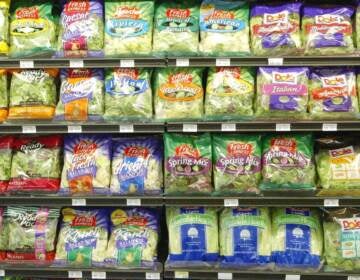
column 76, row 7
column 26, row 219
column 85, row 147
column 219, row 14
column 136, row 221
column 128, row 12
column 79, row 73
column 32, row 146
column 281, row 17
column 239, row 149
column 235, row 71
column 187, row 150
column 31, row 12
column 287, row 144
column 180, row 78
column 284, row 78
column 136, row 152
column 328, row 19
column 334, row 81
column 178, row 13
column 132, row 73
column 84, row 221
column 342, row 152
column 350, row 224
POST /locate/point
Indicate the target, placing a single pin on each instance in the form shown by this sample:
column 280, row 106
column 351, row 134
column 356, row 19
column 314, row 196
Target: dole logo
column 186, row 150
column 281, row 17
column 219, row 14
column 239, row 149
column 180, row 78
column 128, row 12
column 177, row 13
column 85, row 147
column 132, row 73
column 328, row 19
column 350, row 224
column 342, row 152
column 76, row 7
column 334, row 81
column 84, row 221
column 284, row 78
column 31, row 12
column 136, row 152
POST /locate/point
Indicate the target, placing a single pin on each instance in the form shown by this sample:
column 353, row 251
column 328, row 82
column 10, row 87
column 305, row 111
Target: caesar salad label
column 344, row 164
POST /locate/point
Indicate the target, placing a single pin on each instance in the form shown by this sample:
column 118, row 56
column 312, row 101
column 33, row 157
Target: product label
column 177, row 20
column 344, row 164
column 230, row 82
column 221, row 21
column 126, row 82
column 350, row 238
column 298, row 236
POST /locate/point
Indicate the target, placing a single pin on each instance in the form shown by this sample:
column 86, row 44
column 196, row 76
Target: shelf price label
column 75, row 274
column 331, row 202
column 126, row 128
column 223, row 62
column 74, row 129
column 228, row 127
column 182, row 62
column 353, row 277
column 329, row 127
column 152, row 275
column 133, row 202
column 76, row 63
column 231, row 202
column 189, row 127
column 225, row 276
column 292, row 277
column 127, row 63
column 78, row 202
column 29, row 129
column 2, row 272
column 282, row 127
column 181, row 275
column 26, row 64
column 276, row 61
column 98, row 275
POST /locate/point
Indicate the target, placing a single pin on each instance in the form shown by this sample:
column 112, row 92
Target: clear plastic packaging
column 4, row 235
column 4, row 27
column 6, row 147
column 4, row 93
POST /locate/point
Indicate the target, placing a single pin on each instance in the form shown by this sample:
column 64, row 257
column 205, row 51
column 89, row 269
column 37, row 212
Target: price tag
column 26, row 64
column 76, row 63
column 75, row 274
column 329, row 127
column 331, row 202
column 230, row 202
column 225, row 276
column 127, row 63
column 152, row 275
column 126, row 128
column 223, row 62
column 278, row 61
column 98, row 275
column 353, row 277
column 29, row 129
column 133, row 202
column 181, row 275
column 2, row 272
column 78, row 202
column 283, row 127
column 292, row 277
column 188, row 127
column 228, row 127
column 75, row 129
column 182, row 62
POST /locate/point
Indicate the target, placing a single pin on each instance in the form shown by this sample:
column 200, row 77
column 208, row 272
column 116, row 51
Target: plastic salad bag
column 86, row 165
column 179, row 93
column 193, row 235
column 188, row 164
column 282, row 92
column 6, row 146
column 81, row 27
column 81, row 95
column 133, row 239
column 4, row 94
column 327, row 30
column 357, row 24
column 128, row 28
column 83, row 237
column 244, row 237
column 237, row 163
column 297, row 239
column 4, row 27
column 224, row 28
column 128, row 94
column 36, row 164
column 137, row 166
column 31, row 233
column 333, row 93
column 176, row 30
column 33, row 94
column 32, row 28
column 287, row 162
column 229, row 93
column 275, row 29
column 4, row 234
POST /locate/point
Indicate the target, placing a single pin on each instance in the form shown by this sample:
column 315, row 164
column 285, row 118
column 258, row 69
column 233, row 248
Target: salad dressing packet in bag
column 6, row 147
column 4, row 27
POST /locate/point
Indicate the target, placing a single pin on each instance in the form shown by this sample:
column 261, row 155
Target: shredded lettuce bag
column 32, row 28
column 275, row 29
column 179, row 93
column 86, row 164
column 176, row 30
column 81, row 95
column 133, row 239
column 327, row 30
column 33, row 94
column 333, row 93
column 282, row 92
column 81, row 27
column 188, row 164
column 128, row 28
column 6, row 146
column 4, row 95
column 224, row 28
column 83, row 237
column 4, row 27
column 237, row 163
column 244, row 237
column 128, row 94
column 229, row 93
column 137, row 166
column 193, row 235
column 35, row 164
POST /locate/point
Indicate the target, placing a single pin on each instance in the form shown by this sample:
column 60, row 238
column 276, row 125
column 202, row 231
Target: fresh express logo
column 178, row 13
column 85, row 147
column 284, row 78
column 287, row 144
column 32, row 146
column 137, row 152
column 282, row 17
column 239, row 149
column 328, row 19
column 342, row 152
column 84, row 221
column 136, row 221
column 334, row 81
column 79, row 73
column 220, row 14
column 31, row 12
column 234, row 71
column 128, row 12
column 132, row 73
column 180, row 78
column 187, row 150
column 350, row 224
column 74, row 7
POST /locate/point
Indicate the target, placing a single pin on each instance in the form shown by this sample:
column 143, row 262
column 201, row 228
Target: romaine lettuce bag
column 282, row 92
column 4, row 95
column 193, row 235
column 224, row 28
column 229, row 93
column 82, row 238
column 86, row 165
column 327, row 30
column 178, row 93
column 4, row 27
column 6, row 146
column 237, row 163
column 137, row 166
column 188, row 164
column 128, row 28
column 244, row 237
column 297, row 239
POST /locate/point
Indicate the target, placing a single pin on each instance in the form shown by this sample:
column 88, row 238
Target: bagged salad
column 4, row 27
column 327, row 30
column 81, row 95
column 35, row 164
column 237, row 163
column 4, row 235
column 81, row 30
column 224, row 28
column 33, row 28
column 229, row 93
column 178, row 93
column 4, row 95
column 188, row 164
column 128, row 28
column 82, row 238
column 282, row 92
column 128, row 94
column 6, row 147
column 137, row 166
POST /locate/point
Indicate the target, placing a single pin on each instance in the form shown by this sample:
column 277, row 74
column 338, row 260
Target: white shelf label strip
column 133, row 202
column 292, row 277
column 329, row 127
column 181, row 275
column 126, row 128
column 331, row 202
column 188, row 127
column 353, row 277
column 75, row 129
column 223, row 62
column 29, row 129
column 228, row 127
column 127, row 63
column 26, row 64
column 182, row 62
column 282, row 127
column 75, row 274
column 2, row 272
column 225, row 276
column 78, row 202
column 76, row 63
column 98, row 275
column 231, row 202
column 276, row 61
column 152, row 275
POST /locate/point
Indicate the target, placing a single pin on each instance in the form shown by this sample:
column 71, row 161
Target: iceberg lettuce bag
column 6, row 147
column 4, row 27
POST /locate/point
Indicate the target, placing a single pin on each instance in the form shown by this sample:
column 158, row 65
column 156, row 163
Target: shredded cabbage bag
column 137, row 166
column 81, row 95
column 36, row 164
column 229, row 93
column 128, row 28
column 245, row 235
column 275, row 29
column 193, row 235
column 333, row 93
column 133, row 239
column 297, row 239
column 83, row 237
column 4, row 94
column 128, row 94
column 327, row 30
column 179, row 93
column 176, row 30
column 188, row 164
column 6, row 146
column 224, row 28
column 237, row 163
column 4, row 27
column 282, row 92
column 86, row 164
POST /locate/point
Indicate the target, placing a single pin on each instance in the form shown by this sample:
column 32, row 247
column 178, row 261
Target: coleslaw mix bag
column 4, row 27
column 6, row 147
column 4, row 95
column 224, row 28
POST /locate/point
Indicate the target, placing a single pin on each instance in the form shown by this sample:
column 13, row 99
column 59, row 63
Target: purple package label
column 284, row 102
column 78, row 241
column 187, row 166
column 282, row 158
column 241, row 165
column 273, row 41
column 325, row 41
column 260, row 10
column 338, row 104
column 313, row 11
column 139, row 241
column 40, row 233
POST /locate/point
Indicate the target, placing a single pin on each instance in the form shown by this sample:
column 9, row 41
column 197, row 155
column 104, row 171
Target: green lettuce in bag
column 4, row 26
